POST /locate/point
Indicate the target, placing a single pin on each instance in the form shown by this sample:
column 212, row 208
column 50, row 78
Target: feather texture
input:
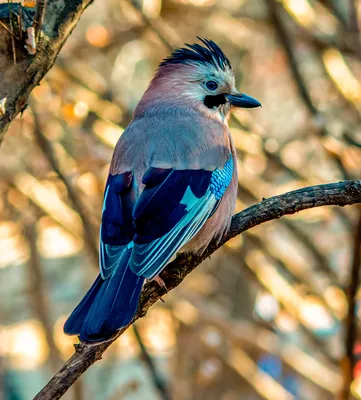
column 108, row 305
column 164, row 223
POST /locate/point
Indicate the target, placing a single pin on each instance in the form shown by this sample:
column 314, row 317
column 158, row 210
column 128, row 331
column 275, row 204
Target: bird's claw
column 160, row 282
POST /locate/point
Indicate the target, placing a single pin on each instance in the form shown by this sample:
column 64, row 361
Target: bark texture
column 17, row 80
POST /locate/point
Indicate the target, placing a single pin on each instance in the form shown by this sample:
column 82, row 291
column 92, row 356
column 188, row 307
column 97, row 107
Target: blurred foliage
column 264, row 317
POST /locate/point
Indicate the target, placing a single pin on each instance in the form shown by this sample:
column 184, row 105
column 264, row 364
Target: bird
column 172, row 184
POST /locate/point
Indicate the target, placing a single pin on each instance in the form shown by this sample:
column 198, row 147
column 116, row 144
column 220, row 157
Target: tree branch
column 17, row 81
column 341, row 194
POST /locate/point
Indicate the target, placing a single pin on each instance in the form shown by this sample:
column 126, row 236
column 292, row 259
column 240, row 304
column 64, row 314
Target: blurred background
column 267, row 316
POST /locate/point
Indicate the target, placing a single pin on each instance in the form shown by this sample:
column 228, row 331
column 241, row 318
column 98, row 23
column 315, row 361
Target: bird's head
column 199, row 76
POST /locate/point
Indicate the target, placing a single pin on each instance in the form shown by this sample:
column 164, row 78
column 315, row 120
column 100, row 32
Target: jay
column 172, row 184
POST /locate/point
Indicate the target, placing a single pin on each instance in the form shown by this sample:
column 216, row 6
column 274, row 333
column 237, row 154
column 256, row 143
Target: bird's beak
column 242, row 100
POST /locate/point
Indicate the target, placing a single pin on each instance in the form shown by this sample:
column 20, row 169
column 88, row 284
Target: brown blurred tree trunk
column 20, row 71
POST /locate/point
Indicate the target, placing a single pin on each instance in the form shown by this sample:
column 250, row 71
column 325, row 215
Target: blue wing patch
column 221, row 178
column 171, row 211
column 138, row 239
column 160, row 206
column 116, row 229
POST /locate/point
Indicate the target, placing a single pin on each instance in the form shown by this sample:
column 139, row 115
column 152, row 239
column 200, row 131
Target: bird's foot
column 161, row 283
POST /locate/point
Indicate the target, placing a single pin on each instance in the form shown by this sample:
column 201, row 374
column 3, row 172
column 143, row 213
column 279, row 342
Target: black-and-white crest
column 210, row 53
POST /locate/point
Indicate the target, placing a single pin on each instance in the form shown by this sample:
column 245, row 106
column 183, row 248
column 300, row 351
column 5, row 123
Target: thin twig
column 351, row 323
column 322, row 43
column 170, row 45
column 274, row 12
column 157, row 379
column 354, row 23
column 39, row 17
column 37, row 293
column 334, row 9
column 341, row 194
column 12, row 31
column 48, row 152
column 78, row 390
column 8, row 30
column 20, row 22
column 353, row 26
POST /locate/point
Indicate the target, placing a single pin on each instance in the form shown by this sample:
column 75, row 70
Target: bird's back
column 179, row 139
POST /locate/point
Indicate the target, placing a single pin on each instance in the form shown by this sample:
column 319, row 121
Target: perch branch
column 341, row 194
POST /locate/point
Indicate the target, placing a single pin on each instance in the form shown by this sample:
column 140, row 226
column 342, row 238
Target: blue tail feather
column 108, row 306
column 74, row 322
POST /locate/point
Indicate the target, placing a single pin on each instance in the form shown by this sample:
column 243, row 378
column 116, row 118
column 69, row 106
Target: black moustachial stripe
column 215, row 101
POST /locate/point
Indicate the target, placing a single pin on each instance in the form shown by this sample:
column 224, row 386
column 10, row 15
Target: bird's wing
column 116, row 229
column 171, row 209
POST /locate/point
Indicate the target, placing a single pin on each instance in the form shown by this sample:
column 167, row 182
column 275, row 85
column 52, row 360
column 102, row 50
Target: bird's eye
column 211, row 85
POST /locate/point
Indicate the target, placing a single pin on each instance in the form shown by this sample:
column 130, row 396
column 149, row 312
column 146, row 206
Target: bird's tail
column 109, row 304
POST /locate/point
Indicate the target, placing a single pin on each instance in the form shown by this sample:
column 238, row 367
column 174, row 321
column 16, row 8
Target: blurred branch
column 39, row 16
column 335, row 8
column 304, row 239
column 320, row 258
column 264, row 384
column 78, row 390
column 37, row 292
column 297, row 278
column 351, row 323
column 354, row 24
column 2, row 378
column 341, row 194
column 19, row 80
column 288, row 304
column 167, row 41
column 16, row 187
column 48, row 152
column 245, row 333
column 157, row 380
column 274, row 12
column 346, row 40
